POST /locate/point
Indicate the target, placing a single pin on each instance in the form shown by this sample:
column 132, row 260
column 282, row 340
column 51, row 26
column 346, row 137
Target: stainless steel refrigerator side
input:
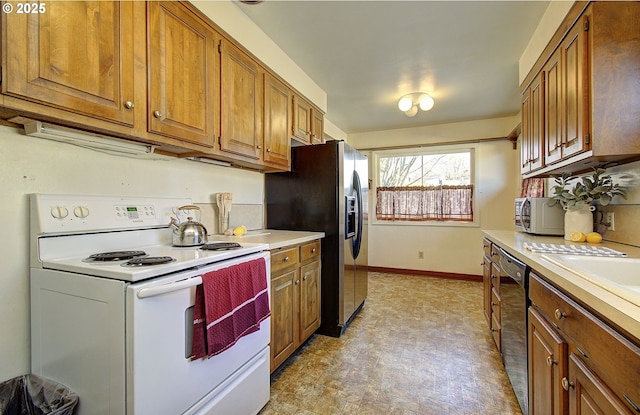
column 348, row 305
column 362, row 260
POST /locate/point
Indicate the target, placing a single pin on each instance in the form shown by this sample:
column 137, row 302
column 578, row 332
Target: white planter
column 578, row 218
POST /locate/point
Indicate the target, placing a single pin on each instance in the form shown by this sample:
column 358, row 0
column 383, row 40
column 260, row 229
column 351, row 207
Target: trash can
column 34, row 395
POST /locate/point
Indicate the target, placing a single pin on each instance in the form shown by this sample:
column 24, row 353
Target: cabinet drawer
column 486, row 246
column 495, row 276
column 495, row 254
column 601, row 347
column 310, row 250
column 495, row 305
column 283, row 258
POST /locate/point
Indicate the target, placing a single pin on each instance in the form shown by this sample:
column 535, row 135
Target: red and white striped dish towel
column 230, row 303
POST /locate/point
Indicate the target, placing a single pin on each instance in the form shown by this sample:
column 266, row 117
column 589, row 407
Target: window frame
column 376, row 155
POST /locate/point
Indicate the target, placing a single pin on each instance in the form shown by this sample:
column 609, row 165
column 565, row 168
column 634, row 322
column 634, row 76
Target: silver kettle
column 189, row 233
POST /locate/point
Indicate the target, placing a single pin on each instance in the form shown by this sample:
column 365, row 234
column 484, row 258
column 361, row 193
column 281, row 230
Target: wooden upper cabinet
column 77, row 56
column 183, row 75
column 301, row 120
column 533, row 133
column 317, row 127
column 277, row 119
column 242, row 102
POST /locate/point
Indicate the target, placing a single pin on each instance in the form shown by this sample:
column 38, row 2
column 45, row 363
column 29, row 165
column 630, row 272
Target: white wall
column 452, row 249
column 32, row 165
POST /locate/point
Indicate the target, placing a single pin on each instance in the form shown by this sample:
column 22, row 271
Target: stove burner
column 150, row 260
column 116, row 256
column 220, row 246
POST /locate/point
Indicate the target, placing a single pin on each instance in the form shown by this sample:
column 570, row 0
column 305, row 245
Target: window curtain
column 532, row 188
column 431, row 203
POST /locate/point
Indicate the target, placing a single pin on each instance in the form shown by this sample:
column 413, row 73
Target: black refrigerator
column 327, row 191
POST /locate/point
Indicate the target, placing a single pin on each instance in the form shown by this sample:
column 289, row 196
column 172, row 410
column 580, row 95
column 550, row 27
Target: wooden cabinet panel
column 588, row 394
column 532, row 140
column 277, row 119
column 77, row 56
column 284, row 258
column 575, row 87
column 317, row 127
column 309, row 299
column 284, row 335
column 242, row 103
column 486, row 284
column 547, row 366
column 183, row 78
column 552, row 108
column 301, row 120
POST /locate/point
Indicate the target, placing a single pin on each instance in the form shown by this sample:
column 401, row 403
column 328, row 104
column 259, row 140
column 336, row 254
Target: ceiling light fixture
column 410, row 103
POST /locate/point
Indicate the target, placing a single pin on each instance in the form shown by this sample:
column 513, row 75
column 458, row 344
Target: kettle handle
column 189, row 207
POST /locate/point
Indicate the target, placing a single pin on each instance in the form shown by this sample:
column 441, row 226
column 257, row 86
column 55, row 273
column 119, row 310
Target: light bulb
column 426, row 102
column 411, row 112
column 405, row 104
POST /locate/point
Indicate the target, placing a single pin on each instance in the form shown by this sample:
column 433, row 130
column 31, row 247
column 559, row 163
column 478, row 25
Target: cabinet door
column 76, row 55
column 486, row 284
column 317, row 127
column 309, row 299
column 575, row 115
column 241, row 103
column 183, row 73
column 277, row 119
column 588, row 394
column 301, row 120
column 553, row 108
column 532, row 108
column 547, row 354
column 284, row 330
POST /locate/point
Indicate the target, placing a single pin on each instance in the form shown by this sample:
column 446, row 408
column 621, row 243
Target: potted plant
column 579, row 201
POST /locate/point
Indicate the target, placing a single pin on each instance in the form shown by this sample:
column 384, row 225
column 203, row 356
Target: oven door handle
column 168, row 288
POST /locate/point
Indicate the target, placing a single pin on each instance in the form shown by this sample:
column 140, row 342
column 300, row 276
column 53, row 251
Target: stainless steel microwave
column 534, row 215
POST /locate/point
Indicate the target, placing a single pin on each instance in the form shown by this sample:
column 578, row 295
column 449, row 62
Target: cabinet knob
column 493, row 304
column 304, row 278
column 550, row 361
column 259, row 147
column 313, row 250
column 297, row 282
column 559, row 314
column 566, row 384
column 285, row 259
column 157, row 114
column 129, row 105
column 268, row 150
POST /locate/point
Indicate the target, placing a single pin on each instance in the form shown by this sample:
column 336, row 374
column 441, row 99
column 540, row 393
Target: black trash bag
column 34, row 395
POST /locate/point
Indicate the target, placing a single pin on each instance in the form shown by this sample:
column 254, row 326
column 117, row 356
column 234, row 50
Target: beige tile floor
column 419, row 346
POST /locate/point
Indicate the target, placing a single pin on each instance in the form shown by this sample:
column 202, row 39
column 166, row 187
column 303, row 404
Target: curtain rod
column 471, row 141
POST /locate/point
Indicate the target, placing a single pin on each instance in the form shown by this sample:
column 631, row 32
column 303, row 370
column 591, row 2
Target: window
column 425, row 186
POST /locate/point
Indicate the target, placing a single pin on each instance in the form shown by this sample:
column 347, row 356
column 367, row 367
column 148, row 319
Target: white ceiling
column 366, row 54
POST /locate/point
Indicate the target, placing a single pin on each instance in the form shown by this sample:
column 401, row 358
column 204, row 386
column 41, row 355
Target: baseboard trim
column 436, row 274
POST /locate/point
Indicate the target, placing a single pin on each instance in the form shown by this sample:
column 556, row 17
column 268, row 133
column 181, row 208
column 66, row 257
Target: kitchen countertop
column 274, row 238
column 618, row 311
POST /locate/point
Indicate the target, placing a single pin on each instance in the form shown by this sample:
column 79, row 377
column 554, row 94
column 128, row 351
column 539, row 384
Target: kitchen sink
column 620, row 276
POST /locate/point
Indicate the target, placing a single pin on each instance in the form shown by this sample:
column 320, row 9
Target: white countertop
column 618, row 311
column 274, row 238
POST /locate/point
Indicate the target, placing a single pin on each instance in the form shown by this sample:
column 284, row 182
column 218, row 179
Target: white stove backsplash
column 251, row 216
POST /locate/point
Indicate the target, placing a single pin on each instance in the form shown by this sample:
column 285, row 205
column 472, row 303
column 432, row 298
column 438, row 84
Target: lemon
column 577, row 236
column 594, row 238
column 239, row 230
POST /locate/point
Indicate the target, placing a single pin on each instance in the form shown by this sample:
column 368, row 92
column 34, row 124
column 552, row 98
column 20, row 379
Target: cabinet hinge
column 587, row 139
column 220, row 47
column 586, row 25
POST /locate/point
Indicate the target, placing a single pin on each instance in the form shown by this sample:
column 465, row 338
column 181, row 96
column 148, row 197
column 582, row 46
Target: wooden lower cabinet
column 547, row 367
column 491, row 289
column 295, row 298
column 578, row 364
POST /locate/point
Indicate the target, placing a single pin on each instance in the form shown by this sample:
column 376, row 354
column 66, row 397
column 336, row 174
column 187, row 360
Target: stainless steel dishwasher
column 515, row 302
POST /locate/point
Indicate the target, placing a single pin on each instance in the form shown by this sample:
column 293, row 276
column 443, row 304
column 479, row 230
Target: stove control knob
column 81, row 212
column 59, row 212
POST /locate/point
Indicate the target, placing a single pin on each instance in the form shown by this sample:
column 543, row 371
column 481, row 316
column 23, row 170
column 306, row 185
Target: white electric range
column 112, row 311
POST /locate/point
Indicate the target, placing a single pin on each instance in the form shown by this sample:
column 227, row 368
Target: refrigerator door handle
column 357, row 240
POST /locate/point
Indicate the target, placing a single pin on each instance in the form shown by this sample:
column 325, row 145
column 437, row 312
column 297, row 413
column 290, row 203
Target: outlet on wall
column 610, row 219
column 420, row 255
